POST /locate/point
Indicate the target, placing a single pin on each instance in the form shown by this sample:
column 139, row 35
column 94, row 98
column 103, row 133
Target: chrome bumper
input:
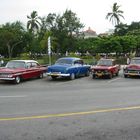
column 132, row 74
column 7, row 78
column 57, row 74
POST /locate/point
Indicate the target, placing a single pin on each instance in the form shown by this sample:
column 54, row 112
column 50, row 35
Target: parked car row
column 66, row 67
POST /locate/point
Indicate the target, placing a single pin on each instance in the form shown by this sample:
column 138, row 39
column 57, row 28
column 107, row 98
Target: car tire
column 87, row 73
column 72, row 76
column 110, row 75
column 93, row 76
column 53, row 77
column 125, row 76
column 117, row 73
column 41, row 76
column 17, row 80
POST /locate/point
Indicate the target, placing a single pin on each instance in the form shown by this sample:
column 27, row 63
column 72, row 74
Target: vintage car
column 17, row 70
column 132, row 69
column 105, row 67
column 70, row 67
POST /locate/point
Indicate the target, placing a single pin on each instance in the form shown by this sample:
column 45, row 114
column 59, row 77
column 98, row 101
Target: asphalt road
column 81, row 109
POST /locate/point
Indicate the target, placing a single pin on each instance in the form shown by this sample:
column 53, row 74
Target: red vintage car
column 17, row 70
column 105, row 67
column 132, row 69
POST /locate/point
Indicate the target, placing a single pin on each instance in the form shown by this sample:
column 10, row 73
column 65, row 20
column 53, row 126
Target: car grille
column 3, row 75
column 133, row 71
column 99, row 71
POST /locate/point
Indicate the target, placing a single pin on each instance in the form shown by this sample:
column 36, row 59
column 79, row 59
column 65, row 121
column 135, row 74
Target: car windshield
column 135, row 61
column 64, row 61
column 104, row 63
column 15, row 64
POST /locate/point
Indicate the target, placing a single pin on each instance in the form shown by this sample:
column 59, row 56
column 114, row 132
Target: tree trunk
column 9, row 50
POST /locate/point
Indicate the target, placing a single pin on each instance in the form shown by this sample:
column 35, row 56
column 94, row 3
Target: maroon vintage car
column 132, row 69
column 17, row 70
column 105, row 67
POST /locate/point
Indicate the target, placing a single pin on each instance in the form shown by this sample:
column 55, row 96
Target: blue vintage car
column 70, row 67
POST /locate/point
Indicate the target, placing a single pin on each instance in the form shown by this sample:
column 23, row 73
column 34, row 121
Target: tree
column 115, row 15
column 11, row 38
column 71, row 22
column 63, row 29
column 33, row 23
column 134, row 26
column 121, row 29
column 68, row 26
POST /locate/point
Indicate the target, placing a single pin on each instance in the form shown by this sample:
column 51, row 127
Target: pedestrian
column 128, row 60
column 1, row 62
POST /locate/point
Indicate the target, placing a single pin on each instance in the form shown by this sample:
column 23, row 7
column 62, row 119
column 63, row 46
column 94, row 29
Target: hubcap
column 17, row 79
column 72, row 76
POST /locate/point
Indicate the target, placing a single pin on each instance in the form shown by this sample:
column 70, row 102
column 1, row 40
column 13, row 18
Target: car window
column 34, row 64
column 113, row 63
column 64, row 61
column 105, row 62
column 15, row 64
column 135, row 61
column 28, row 65
column 79, row 62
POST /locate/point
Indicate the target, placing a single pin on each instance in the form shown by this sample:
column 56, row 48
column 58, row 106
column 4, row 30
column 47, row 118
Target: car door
column 28, row 73
column 83, row 68
column 115, row 67
column 79, row 67
column 35, row 69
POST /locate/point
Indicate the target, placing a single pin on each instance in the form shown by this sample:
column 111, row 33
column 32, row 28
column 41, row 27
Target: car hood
column 58, row 68
column 101, row 67
column 9, row 70
column 133, row 66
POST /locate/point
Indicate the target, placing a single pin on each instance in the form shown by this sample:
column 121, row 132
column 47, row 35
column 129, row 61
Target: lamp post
column 49, row 49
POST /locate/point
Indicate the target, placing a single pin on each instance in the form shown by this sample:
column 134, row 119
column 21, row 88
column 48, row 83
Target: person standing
column 128, row 60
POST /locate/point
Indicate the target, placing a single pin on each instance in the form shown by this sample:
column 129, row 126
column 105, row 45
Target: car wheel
column 125, row 76
column 110, row 75
column 17, row 80
column 93, row 76
column 87, row 73
column 41, row 75
column 117, row 73
column 72, row 76
column 53, row 77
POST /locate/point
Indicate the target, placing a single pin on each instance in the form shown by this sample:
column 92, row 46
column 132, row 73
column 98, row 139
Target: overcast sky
column 91, row 12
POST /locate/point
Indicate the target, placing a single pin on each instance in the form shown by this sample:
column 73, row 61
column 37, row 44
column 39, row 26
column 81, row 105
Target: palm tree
column 33, row 23
column 115, row 15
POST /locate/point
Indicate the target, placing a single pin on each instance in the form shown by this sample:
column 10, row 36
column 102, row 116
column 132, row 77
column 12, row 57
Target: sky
column 91, row 13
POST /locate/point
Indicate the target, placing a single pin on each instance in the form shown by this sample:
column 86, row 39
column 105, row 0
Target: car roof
column 107, row 59
column 26, row 61
column 70, row 58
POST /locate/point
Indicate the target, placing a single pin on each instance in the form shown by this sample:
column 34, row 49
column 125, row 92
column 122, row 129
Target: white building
column 89, row 33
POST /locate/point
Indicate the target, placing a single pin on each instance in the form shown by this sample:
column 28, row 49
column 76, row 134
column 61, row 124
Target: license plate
column 55, row 73
column 99, row 74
